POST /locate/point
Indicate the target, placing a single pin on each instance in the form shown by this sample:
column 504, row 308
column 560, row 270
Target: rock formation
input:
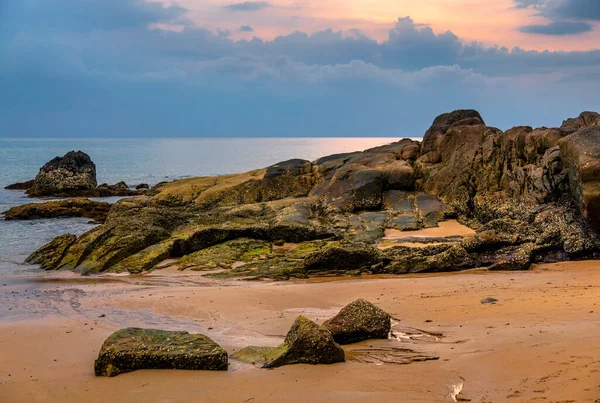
column 49, row 255
column 73, row 175
column 305, row 343
column 73, row 172
column 77, row 207
column 131, row 349
column 358, row 321
column 531, row 195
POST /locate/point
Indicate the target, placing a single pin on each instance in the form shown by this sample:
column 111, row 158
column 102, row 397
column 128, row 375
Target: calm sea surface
column 137, row 161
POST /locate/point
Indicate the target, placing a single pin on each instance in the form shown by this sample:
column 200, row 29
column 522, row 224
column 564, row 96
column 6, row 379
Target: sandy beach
column 537, row 343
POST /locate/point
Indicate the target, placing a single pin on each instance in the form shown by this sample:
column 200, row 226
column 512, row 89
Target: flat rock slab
column 131, row 349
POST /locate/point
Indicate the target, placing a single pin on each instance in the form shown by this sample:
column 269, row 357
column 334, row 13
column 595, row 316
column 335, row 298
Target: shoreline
column 537, row 342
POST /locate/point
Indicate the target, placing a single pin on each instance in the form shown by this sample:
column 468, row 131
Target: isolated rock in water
column 21, row 185
column 585, row 119
column 581, row 155
column 305, row 343
column 78, row 207
column 49, row 255
column 131, row 349
column 358, row 321
column 75, row 171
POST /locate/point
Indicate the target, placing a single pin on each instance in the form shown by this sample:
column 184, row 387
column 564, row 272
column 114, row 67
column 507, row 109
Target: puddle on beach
column 446, row 232
column 445, row 229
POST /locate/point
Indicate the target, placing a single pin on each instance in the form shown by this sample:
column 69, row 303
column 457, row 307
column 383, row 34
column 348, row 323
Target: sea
column 137, row 161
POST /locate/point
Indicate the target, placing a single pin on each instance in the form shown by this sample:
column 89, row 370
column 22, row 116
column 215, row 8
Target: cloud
column 248, row 6
column 567, row 17
column 558, row 28
column 575, row 9
column 85, row 15
column 119, row 74
column 246, row 28
column 529, row 3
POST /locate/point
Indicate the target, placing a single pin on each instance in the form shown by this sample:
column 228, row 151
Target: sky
column 333, row 68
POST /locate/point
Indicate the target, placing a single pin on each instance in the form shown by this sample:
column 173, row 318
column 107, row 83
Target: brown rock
column 581, row 156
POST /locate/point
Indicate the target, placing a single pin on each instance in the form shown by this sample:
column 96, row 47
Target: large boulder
column 49, row 255
column 131, row 349
column 581, row 156
column 305, row 343
column 358, row 321
column 78, row 207
column 431, row 147
column 585, row 119
column 75, row 171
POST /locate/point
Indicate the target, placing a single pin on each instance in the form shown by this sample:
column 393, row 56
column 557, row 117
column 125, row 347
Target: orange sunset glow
column 493, row 22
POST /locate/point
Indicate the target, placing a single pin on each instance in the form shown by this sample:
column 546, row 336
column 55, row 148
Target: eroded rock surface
column 530, row 195
column 49, row 255
column 305, row 343
column 131, row 349
column 358, row 321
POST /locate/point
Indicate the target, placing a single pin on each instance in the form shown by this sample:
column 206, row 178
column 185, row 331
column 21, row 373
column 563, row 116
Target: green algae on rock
column 530, row 195
column 305, row 343
column 77, row 207
column 49, row 255
column 131, row 349
column 358, row 321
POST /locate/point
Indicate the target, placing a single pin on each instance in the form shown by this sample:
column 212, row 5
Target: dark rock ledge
column 531, row 195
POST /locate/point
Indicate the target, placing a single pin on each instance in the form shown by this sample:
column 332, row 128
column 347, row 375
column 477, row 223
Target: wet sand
column 539, row 342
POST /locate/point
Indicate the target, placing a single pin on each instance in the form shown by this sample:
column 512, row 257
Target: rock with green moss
column 358, row 321
column 77, row 207
column 305, row 343
column 531, row 195
column 131, row 349
column 227, row 253
column 343, row 257
column 49, row 255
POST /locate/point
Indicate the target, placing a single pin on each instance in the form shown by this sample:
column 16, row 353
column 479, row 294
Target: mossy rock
column 227, row 253
column 49, row 255
column 358, row 321
column 305, row 343
column 131, row 349
column 77, row 207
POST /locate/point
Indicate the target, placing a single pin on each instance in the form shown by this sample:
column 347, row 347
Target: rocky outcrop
column 305, row 343
column 78, row 207
column 530, row 195
column 432, row 140
column 359, row 321
column 72, row 175
column 581, row 154
column 131, row 349
column 73, row 172
column 21, row 185
column 585, row 119
column 49, row 255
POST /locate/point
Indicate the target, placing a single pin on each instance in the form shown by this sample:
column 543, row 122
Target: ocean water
column 137, row 161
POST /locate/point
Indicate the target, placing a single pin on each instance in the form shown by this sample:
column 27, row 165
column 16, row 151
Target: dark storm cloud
column 558, row 28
